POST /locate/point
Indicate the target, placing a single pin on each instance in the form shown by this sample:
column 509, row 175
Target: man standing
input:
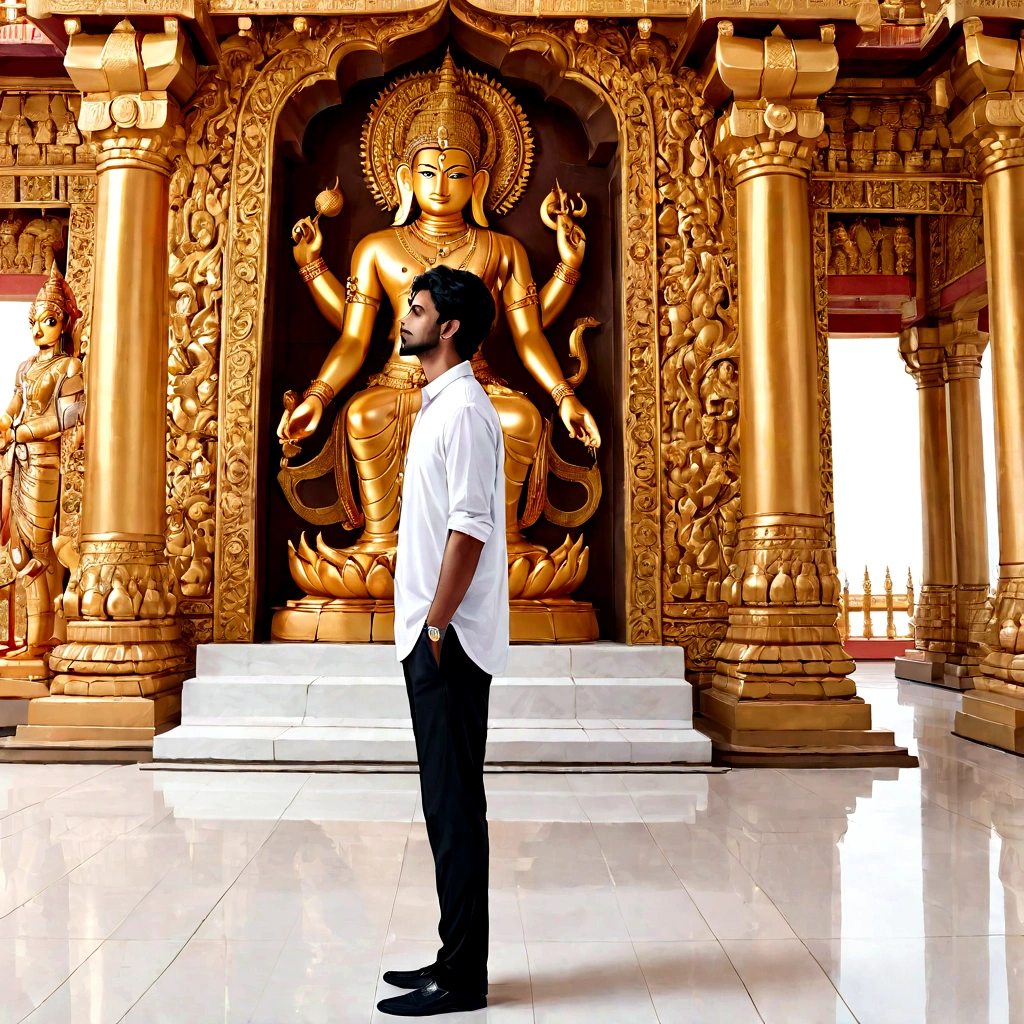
column 451, row 622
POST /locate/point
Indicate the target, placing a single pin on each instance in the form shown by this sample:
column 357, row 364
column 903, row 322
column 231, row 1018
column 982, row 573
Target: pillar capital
column 921, row 349
column 987, row 74
column 963, row 345
column 132, row 84
column 773, row 124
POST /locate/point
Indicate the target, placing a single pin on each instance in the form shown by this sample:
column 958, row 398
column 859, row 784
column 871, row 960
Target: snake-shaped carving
column 549, row 461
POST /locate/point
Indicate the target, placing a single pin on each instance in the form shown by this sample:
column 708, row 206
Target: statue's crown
column 446, row 119
column 450, row 108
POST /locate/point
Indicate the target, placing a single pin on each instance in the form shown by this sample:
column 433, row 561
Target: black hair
column 459, row 295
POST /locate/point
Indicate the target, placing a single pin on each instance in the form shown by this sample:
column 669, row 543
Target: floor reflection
column 876, row 895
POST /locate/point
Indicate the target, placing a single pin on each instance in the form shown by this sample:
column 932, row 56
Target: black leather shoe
column 409, row 979
column 431, row 999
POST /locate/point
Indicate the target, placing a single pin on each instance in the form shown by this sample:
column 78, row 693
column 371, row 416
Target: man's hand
column 435, row 646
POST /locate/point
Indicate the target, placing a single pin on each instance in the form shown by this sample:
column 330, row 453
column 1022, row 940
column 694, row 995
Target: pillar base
column 24, row 677
column 97, row 723
column 994, row 719
column 937, row 669
column 796, row 734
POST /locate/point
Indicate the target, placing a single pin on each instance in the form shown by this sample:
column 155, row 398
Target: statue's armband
column 70, row 401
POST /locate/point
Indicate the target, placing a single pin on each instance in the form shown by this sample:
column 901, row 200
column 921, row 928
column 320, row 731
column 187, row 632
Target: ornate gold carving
column 956, row 246
column 870, row 245
column 913, row 195
column 38, row 129
column 285, row 70
column 886, row 136
column 199, row 195
column 28, row 244
column 460, row 109
column 606, row 58
column 700, row 383
column 819, row 243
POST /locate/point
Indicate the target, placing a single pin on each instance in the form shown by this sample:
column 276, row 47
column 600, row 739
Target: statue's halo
column 506, row 138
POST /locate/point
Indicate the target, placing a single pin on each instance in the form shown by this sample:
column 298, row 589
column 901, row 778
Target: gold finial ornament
column 448, row 109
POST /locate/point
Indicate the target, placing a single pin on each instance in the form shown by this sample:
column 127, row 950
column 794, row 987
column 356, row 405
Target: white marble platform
column 308, row 703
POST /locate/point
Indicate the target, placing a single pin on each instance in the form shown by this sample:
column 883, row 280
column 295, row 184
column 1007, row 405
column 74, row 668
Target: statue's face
column 46, row 327
column 442, row 180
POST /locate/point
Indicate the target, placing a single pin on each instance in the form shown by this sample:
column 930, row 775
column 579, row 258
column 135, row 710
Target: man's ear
column 450, row 329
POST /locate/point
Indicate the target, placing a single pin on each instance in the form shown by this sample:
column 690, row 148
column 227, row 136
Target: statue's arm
column 364, row 292
column 554, row 297
column 329, row 295
column 13, row 408
column 523, row 311
column 572, row 243
column 327, row 291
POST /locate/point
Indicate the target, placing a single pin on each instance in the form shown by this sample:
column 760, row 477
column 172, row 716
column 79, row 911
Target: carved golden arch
column 620, row 71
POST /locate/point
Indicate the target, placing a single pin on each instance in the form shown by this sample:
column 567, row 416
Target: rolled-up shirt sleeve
column 469, row 459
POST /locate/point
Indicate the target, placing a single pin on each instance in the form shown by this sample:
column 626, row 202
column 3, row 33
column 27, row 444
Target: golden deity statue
column 47, row 402
column 450, row 140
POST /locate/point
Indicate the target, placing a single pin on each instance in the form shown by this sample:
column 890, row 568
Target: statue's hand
column 572, row 242
column 579, row 422
column 299, row 423
column 307, row 240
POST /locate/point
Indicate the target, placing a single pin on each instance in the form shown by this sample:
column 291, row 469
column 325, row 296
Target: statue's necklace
column 442, row 250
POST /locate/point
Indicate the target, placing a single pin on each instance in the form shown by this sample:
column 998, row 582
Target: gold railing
column 861, row 608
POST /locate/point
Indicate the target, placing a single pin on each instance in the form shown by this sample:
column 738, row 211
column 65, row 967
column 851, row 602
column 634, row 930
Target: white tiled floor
column 877, row 896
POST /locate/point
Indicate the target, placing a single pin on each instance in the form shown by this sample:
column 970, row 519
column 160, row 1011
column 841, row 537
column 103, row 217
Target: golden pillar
column 985, row 76
column 964, row 345
column 118, row 677
column 925, row 356
column 781, row 692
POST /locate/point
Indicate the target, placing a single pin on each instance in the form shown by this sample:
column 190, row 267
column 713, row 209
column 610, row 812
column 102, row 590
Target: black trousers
column 448, row 703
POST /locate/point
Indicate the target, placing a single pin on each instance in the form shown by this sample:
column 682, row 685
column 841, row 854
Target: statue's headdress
column 448, row 109
column 56, row 296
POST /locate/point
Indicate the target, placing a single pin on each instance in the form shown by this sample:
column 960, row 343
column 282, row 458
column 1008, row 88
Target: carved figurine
column 47, row 402
column 903, row 244
column 450, row 140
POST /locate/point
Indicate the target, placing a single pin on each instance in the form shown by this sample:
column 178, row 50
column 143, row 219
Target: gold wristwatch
column 434, row 634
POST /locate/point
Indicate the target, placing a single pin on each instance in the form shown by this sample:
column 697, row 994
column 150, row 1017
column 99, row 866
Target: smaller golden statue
column 47, row 402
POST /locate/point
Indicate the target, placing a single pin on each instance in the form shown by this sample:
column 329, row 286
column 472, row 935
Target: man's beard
column 415, row 348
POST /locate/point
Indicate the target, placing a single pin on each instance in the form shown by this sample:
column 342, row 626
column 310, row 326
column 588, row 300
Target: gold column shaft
column 779, row 391
column 126, row 430
column 937, row 565
column 1004, row 257
column 968, row 480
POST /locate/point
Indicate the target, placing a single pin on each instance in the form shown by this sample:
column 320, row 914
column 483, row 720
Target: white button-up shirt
column 454, row 480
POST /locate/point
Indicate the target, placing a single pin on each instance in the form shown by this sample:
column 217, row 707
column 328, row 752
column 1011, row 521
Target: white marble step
column 568, row 743
column 590, row 703
column 335, row 700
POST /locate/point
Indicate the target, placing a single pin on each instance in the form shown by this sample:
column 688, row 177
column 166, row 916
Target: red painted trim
column 868, row 324
column 18, row 287
column 871, row 285
column 879, row 650
column 962, row 285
